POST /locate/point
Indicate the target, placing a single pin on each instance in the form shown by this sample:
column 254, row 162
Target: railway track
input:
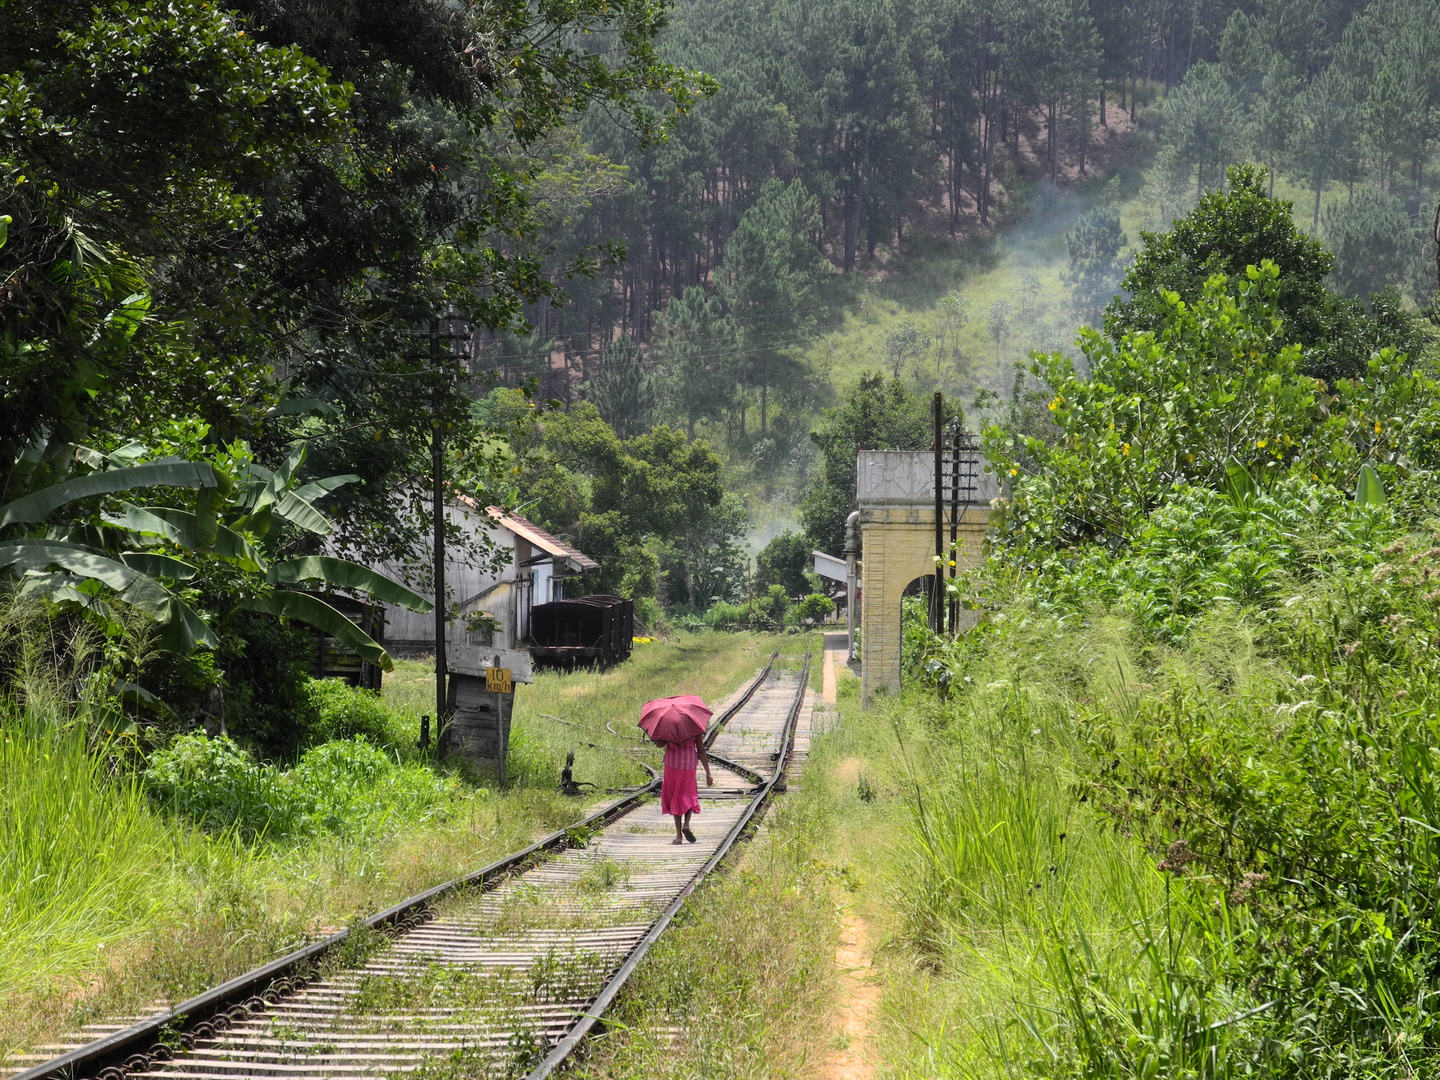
column 502, row 973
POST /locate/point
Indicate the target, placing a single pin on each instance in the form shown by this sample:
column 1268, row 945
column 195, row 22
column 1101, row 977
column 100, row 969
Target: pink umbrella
column 674, row 719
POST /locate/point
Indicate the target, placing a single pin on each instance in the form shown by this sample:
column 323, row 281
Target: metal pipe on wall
column 852, row 598
column 939, row 447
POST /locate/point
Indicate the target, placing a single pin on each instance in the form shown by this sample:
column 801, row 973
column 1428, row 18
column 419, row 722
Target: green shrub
column 815, row 606
column 648, row 614
column 723, row 616
column 346, row 786
column 765, row 612
column 342, row 711
column 350, row 787
column 216, row 784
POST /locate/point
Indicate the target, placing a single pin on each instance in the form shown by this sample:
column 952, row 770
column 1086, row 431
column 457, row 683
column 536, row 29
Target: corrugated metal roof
column 541, row 539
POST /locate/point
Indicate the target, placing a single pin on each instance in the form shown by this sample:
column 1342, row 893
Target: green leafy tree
column 136, row 142
column 1030, row 291
column 1231, row 230
column 280, row 230
column 625, row 501
column 785, row 561
column 707, row 560
column 1000, row 320
column 903, row 344
column 1215, row 396
column 952, row 316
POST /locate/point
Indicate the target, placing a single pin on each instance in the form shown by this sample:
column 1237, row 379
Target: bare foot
column 677, row 840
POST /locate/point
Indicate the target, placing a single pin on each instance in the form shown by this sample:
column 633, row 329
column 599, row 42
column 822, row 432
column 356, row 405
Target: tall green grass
column 1025, row 935
column 83, row 857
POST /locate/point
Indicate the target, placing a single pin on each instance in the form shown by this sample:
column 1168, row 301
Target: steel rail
column 735, row 767
column 137, row 1047
column 595, row 1013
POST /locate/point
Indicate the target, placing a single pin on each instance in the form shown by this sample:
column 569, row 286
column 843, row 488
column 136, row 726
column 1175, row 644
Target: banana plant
column 149, row 557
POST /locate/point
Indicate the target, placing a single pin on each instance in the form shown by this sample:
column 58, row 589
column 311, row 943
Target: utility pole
column 437, row 511
column 958, row 445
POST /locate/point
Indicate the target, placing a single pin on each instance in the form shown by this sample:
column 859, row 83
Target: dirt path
column 858, row 1002
column 835, row 655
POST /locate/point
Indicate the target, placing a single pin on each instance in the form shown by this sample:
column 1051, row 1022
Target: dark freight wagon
column 583, row 632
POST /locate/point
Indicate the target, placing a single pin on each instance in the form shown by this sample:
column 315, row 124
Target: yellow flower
column 1377, row 427
column 1260, row 444
column 1054, row 403
column 1125, row 448
column 952, row 562
column 1014, row 472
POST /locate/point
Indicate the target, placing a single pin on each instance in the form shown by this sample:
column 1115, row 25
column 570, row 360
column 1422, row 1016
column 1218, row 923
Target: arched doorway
column 897, row 528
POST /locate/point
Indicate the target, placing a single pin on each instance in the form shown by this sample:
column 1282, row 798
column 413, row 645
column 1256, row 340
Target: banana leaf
column 1369, row 491
column 60, row 587
column 312, row 491
column 306, row 608
column 344, row 574
column 38, row 505
column 154, row 565
column 184, row 528
column 181, row 628
column 303, row 405
column 292, row 508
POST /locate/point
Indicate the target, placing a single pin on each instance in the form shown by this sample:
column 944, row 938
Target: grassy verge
column 112, row 905
column 998, row 894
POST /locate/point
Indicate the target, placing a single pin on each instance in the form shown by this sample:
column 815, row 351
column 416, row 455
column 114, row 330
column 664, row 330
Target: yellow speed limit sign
column 497, row 680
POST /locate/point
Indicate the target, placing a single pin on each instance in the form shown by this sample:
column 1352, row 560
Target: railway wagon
column 587, row 631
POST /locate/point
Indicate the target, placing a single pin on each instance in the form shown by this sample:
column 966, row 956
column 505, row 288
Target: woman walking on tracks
column 678, row 724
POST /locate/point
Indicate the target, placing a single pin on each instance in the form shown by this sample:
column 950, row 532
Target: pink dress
column 679, row 794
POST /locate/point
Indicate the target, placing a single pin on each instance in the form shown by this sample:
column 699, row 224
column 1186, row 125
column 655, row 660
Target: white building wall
column 468, row 586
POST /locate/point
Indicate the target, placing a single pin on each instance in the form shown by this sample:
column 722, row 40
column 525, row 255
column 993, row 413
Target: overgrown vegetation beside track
column 1171, row 809
column 129, row 881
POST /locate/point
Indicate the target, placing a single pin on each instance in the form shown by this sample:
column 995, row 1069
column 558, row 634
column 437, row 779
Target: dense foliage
column 1203, row 491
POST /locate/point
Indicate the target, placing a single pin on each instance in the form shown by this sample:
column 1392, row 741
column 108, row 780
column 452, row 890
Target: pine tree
column 1095, row 266
column 699, row 348
column 622, row 390
column 770, row 281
